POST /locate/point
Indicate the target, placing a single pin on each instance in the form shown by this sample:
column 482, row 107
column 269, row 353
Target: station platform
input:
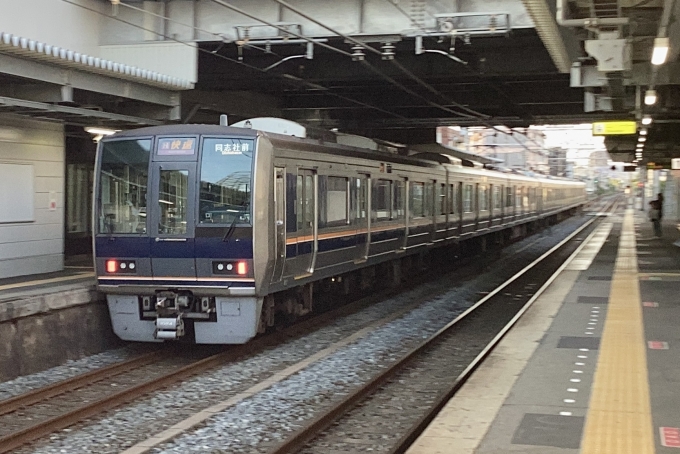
column 592, row 367
column 47, row 319
column 28, row 295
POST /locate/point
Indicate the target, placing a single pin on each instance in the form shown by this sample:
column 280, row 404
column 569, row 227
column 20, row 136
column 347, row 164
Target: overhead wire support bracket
column 309, row 55
column 420, row 49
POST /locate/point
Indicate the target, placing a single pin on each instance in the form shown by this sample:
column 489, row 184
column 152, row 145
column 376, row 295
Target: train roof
column 309, row 144
column 189, row 129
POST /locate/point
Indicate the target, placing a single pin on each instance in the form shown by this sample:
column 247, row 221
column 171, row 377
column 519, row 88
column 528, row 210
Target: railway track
column 28, row 417
column 35, row 414
column 406, row 397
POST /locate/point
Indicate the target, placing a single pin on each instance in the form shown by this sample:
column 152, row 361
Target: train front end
column 173, row 243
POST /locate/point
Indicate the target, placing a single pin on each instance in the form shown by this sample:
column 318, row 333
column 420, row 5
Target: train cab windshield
column 128, row 180
column 226, row 174
column 123, row 186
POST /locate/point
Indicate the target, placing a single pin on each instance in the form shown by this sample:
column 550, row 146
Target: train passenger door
column 306, row 222
column 279, row 222
column 172, row 219
column 362, row 218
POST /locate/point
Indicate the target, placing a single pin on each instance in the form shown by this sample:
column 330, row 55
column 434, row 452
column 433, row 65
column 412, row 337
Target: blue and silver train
column 210, row 233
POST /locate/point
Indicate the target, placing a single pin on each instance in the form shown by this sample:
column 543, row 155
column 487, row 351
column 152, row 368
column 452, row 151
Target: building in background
column 522, row 150
column 557, row 162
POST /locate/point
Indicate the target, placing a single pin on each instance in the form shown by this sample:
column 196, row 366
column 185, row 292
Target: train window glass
column 172, row 201
column 518, row 197
column 336, row 200
column 382, row 190
column 442, row 199
column 417, row 200
column 309, row 201
column 451, row 202
column 428, row 203
column 299, row 204
column 483, row 198
column 508, row 196
column 496, row 197
column 467, row 198
column 123, row 185
column 398, row 200
column 362, row 186
column 226, row 181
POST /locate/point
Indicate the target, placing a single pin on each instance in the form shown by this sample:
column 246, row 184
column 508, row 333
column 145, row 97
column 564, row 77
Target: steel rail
column 29, row 434
column 299, row 439
column 73, row 383
column 419, row 427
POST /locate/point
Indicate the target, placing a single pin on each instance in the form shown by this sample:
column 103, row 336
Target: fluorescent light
column 660, row 52
column 642, row 139
column 643, row 132
column 650, row 97
column 97, row 131
column 646, row 120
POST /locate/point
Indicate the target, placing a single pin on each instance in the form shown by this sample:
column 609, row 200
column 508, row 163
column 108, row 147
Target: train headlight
column 111, row 266
column 230, row 268
column 120, row 266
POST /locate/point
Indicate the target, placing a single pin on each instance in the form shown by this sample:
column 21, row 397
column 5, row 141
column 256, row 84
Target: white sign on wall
column 16, row 193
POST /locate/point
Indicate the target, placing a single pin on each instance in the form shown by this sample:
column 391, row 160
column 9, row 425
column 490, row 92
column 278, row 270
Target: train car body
column 204, row 233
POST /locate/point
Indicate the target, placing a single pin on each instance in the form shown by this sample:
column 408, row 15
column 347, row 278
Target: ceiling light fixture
column 660, row 52
column 643, row 132
column 646, row 120
column 98, row 131
column 642, row 139
column 650, row 97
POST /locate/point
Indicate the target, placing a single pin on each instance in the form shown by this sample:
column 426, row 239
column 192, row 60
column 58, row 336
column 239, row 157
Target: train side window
column 335, row 210
column 442, row 199
column 483, row 198
column 417, row 200
column 508, row 196
column 381, row 203
column 299, row 203
column 362, row 197
column 518, row 197
column 452, row 203
column 467, row 198
column 398, row 200
column 496, row 197
column 428, row 203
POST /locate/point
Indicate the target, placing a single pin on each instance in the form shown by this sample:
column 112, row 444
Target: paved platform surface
column 593, row 366
column 27, row 295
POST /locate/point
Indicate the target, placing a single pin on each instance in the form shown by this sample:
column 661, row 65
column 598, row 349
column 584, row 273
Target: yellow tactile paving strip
column 619, row 418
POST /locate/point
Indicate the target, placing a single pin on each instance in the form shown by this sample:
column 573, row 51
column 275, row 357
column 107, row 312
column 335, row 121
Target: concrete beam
column 352, row 17
column 38, row 71
column 240, row 103
column 38, row 92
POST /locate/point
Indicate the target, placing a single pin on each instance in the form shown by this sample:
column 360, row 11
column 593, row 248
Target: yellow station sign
column 614, row 128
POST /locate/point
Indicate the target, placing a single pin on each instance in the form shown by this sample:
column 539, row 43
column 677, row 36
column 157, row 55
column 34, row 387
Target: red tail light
column 111, row 266
column 241, row 268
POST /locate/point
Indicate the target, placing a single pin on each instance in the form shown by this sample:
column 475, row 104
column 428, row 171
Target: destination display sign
column 176, row 146
column 614, row 128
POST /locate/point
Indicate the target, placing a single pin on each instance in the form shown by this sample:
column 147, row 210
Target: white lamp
column 660, row 52
column 646, row 120
column 650, row 97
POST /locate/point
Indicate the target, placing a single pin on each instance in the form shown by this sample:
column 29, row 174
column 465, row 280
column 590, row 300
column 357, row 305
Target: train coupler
column 169, row 327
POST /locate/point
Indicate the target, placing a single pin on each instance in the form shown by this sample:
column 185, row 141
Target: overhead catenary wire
column 287, row 78
column 192, row 27
column 474, row 114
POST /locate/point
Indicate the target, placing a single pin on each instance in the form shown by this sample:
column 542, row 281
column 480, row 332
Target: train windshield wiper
column 230, row 232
